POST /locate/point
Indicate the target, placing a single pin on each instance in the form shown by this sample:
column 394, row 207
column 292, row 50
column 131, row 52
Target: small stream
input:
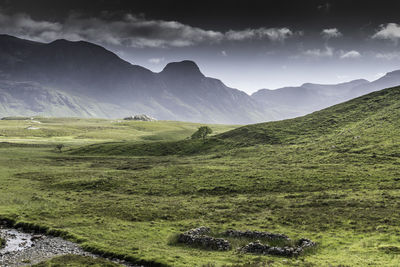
column 25, row 249
column 16, row 241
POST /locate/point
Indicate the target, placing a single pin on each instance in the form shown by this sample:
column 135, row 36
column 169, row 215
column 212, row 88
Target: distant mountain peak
column 60, row 41
column 353, row 82
column 185, row 67
column 393, row 73
column 69, row 43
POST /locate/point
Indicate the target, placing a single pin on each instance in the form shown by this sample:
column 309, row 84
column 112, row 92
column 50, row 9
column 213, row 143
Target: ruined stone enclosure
column 254, row 242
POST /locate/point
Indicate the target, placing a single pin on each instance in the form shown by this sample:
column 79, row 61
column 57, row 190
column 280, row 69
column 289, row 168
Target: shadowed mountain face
column 82, row 69
column 65, row 78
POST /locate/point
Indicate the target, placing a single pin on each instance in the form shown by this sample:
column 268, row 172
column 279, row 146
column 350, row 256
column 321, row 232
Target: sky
column 249, row 45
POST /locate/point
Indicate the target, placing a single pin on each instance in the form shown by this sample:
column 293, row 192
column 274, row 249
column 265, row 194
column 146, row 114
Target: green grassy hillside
column 365, row 119
column 366, row 113
column 332, row 176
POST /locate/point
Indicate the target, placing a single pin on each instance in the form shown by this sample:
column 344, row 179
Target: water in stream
column 25, row 249
column 16, row 241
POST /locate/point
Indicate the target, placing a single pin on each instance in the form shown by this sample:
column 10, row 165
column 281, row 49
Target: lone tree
column 202, row 133
column 59, row 147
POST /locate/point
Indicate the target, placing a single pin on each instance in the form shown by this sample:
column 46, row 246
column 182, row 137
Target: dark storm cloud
column 248, row 44
column 325, row 7
column 130, row 30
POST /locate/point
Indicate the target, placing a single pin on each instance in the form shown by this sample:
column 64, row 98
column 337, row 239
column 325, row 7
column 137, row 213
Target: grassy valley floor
column 127, row 188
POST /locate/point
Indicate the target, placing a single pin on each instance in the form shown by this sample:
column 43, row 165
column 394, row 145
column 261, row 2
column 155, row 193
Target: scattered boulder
column 198, row 237
column 202, row 230
column 140, row 117
column 36, row 237
column 256, row 235
column 258, row 248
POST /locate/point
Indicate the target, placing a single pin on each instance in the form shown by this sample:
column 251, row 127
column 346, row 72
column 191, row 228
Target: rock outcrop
column 199, row 237
column 256, row 235
column 258, row 248
column 140, row 117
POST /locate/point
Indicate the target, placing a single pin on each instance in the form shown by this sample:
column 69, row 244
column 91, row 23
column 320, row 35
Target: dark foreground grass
column 74, row 260
column 337, row 185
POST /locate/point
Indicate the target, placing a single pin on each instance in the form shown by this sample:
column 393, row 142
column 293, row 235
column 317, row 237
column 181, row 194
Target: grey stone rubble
column 198, row 237
column 202, row 230
column 256, row 235
column 258, row 248
column 140, row 117
column 25, row 249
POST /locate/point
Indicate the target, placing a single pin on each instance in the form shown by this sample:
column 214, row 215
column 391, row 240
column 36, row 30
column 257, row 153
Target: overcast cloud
column 130, row 31
column 390, row 31
column 331, row 33
column 273, row 34
column 326, row 52
column 350, row 54
column 388, row 56
column 269, row 52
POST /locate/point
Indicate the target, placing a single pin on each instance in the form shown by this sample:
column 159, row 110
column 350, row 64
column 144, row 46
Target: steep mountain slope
column 289, row 102
column 179, row 92
column 100, row 84
column 29, row 98
column 203, row 98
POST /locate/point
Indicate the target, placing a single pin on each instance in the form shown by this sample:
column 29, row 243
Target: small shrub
column 390, row 249
column 202, row 133
column 59, row 147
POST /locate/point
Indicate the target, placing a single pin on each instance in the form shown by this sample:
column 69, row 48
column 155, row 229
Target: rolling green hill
column 362, row 118
column 331, row 176
column 360, row 114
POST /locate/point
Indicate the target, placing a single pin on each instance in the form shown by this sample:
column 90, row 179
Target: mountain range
column 290, row 102
column 65, row 78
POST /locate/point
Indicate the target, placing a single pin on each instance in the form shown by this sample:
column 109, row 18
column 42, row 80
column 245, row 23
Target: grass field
column 127, row 188
column 73, row 261
column 75, row 131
